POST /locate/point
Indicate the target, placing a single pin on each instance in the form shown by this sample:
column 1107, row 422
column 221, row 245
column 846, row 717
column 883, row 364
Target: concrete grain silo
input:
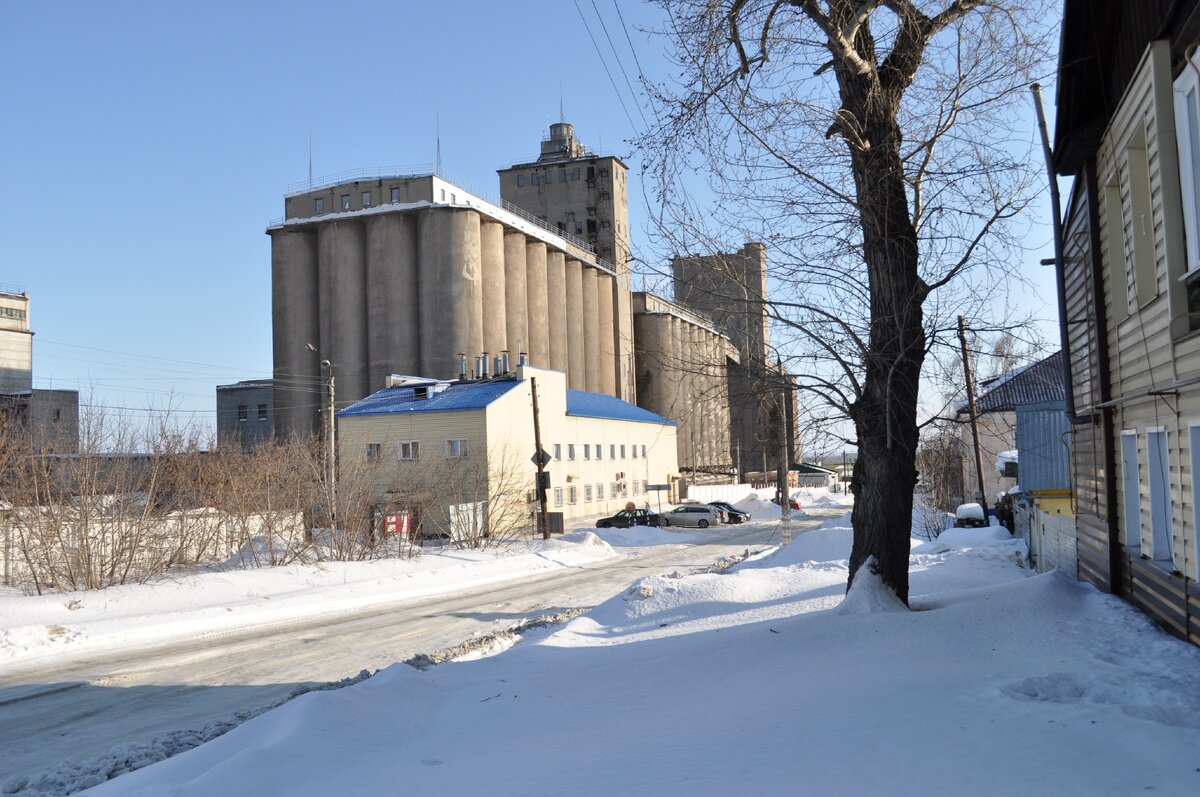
column 402, row 274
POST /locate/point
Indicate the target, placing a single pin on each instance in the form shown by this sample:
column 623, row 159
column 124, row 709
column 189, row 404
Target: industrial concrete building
column 683, row 367
column 246, row 414
column 16, row 342
column 449, row 454
column 49, row 417
column 405, row 273
column 409, row 273
column 730, row 288
column 584, row 196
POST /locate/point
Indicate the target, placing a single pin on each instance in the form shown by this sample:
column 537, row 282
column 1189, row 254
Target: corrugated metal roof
column 456, row 397
column 1032, row 384
column 581, row 403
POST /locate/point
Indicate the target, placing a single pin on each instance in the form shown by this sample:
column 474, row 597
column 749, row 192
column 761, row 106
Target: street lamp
column 330, row 441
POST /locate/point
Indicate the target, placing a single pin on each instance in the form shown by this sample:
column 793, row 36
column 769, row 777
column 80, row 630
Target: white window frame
column 457, row 448
column 572, row 495
column 319, row 204
column 1158, row 468
column 600, row 492
column 587, row 451
column 599, row 451
column 570, row 452
column 1131, row 494
column 395, row 193
column 1187, row 140
column 587, row 493
column 345, row 201
column 558, row 451
column 558, row 496
column 612, row 450
column 372, row 452
column 414, row 450
column 366, row 199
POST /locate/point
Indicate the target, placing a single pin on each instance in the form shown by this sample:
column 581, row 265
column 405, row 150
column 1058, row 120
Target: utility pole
column 331, row 447
column 785, row 492
column 542, row 526
column 962, row 339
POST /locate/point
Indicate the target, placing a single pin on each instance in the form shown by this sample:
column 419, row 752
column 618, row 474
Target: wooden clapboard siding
column 1193, row 612
column 1158, row 593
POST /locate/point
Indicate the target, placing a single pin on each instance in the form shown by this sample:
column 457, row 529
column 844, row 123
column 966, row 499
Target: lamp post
column 330, row 440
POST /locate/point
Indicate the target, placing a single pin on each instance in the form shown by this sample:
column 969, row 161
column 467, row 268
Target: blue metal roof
column 455, row 397
column 583, row 404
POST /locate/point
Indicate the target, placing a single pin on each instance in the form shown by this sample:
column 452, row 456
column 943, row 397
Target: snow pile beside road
column 742, row 683
column 50, row 628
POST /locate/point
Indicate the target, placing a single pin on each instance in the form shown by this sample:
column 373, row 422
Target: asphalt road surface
column 86, row 708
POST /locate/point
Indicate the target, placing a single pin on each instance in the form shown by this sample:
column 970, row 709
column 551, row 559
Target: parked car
column 627, row 518
column 969, row 516
column 734, row 514
column 795, row 505
column 700, row 515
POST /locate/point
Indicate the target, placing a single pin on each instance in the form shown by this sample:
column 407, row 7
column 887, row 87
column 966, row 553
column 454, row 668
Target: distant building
column 583, row 195
column 730, row 288
column 50, row 417
column 996, row 411
column 403, row 274
column 683, row 366
column 246, row 413
column 16, row 343
column 444, row 454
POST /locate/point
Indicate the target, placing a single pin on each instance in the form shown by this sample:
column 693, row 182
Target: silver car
column 696, row 515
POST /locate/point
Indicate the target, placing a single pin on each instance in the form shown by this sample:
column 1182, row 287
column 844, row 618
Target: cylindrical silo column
column 515, row 299
column 652, row 336
column 607, row 333
column 538, row 342
column 393, row 311
column 495, row 311
column 576, row 365
column 294, row 324
column 556, row 309
column 591, row 332
column 343, row 263
column 681, row 395
column 448, row 254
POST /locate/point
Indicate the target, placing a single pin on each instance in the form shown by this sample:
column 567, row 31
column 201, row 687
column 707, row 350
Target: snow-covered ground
column 766, row 679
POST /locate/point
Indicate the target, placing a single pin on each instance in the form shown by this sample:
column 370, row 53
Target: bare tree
column 870, row 144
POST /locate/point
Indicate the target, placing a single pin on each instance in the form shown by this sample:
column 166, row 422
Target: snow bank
column 740, row 683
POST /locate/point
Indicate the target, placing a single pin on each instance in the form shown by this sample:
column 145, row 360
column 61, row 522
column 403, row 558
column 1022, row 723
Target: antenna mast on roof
column 437, row 132
column 561, row 116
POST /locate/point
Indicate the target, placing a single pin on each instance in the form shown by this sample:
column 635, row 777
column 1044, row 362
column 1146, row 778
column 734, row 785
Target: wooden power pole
column 539, row 459
column 962, row 339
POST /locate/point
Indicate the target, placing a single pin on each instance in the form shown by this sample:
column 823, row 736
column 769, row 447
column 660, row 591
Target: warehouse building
column 454, row 456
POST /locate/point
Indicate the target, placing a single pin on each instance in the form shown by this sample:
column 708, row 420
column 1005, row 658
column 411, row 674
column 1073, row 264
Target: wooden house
column 1128, row 132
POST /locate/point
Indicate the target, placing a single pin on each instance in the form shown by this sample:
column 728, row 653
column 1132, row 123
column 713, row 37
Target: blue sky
column 147, row 146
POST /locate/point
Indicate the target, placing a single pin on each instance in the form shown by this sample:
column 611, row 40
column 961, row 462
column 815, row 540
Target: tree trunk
column 885, row 415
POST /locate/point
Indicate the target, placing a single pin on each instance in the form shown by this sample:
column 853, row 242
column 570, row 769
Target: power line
column 604, row 64
column 621, row 66
column 145, row 356
column 632, row 49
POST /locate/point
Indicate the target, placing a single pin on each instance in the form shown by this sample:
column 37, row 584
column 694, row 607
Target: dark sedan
column 735, row 515
column 627, row 518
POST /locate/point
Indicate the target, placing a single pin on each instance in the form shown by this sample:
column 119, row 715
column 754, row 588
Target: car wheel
column 703, row 523
column 664, row 522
